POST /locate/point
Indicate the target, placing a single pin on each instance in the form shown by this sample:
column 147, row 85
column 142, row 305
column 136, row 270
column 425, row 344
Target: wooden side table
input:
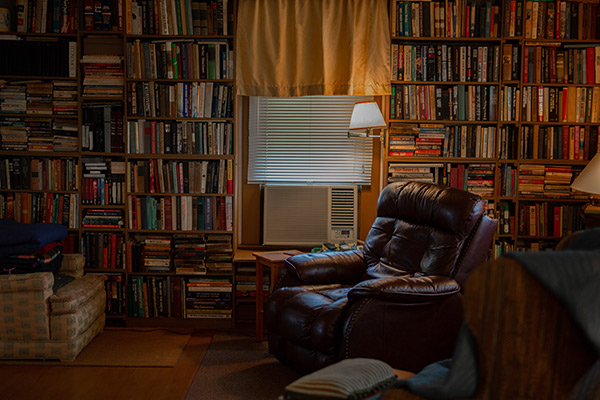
column 274, row 260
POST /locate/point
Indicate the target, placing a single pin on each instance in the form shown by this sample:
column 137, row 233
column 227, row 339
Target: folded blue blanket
column 18, row 238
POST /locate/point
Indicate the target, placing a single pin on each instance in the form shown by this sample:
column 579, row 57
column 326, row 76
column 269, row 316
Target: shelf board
column 175, row 37
column 559, row 123
column 26, row 78
column 442, row 121
column 40, row 153
column 452, row 83
column 180, row 194
column 171, row 80
column 445, row 39
column 215, row 119
column 45, row 116
column 143, row 156
column 39, row 191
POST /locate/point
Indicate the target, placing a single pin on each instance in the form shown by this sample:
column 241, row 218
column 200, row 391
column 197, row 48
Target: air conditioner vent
column 309, row 215
column 343, row 205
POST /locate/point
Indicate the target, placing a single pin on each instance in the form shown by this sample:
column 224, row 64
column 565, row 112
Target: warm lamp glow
column 366, row 115
column 589, row 179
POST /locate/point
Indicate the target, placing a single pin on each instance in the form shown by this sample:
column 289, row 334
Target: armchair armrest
column 344, row 267
column 72, row 264
column 415, row 288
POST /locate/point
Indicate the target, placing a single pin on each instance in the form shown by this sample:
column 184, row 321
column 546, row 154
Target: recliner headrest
column 422, row 203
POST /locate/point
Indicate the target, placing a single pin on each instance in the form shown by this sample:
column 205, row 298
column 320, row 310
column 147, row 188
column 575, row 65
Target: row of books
column 115, row 294
column 103, row 181
column 53, row 57
column 434, row 140
column 474, row 178
column 245, row 282
column 39, row 174
column 505, row 213
column 180, row 137
column 549, row 219
column 507, row 143
column 155, row 296
column 102, row 218
column 46, row 16
column 511, row 62
column 38, row 97
column 103, row 75
column 178, row 297
column 442, row 102
column 558, row 142
column 101, row 15
column 561, row 20
column 22, row 134
column 571, row 65
column 445, row 19
column 189, row 59
column 172, row 17
column 422, row 172
column 507, row 180
column 102, row 128
column 184, row 213
column 501, row 247
column 186, row 254
column 180, row 100
column 156, row 176
column 561, row 104
column 545, row 181
column 41, row 207
column 103, row 250
column 446, row 62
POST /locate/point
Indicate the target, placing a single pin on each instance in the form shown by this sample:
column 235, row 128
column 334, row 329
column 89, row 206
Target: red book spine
column 589, row 60
column 565, row 142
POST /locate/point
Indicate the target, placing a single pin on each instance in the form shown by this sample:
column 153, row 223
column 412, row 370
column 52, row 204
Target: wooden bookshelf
column 124, row 152
column 483, row 91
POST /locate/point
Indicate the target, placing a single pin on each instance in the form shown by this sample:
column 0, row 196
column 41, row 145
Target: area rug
column 126, row 348
column 237, row 367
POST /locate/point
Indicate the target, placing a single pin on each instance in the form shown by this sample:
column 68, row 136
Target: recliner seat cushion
column 308, row 316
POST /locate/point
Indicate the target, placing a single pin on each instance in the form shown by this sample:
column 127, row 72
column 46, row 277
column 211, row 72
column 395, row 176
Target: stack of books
column 65, row 135
column 157, row 254
column 103, row 75
column 39, row 98
column 102, row 218
column 189, row 252
column 64, row 97
column 13, row 98
column 398, row 172
column 531, row 179
column 219, row 253
column 557, row 181
column 480, row 179
column 208, row 298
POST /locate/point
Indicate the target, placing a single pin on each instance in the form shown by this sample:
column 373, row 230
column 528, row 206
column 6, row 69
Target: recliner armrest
column 415, row 288
column 344, row 267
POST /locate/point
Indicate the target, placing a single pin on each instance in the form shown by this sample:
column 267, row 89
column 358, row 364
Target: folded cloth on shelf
column 47, row 259
column 17, row 238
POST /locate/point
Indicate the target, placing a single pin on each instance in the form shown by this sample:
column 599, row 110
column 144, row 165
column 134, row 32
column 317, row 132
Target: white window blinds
column 303, row 140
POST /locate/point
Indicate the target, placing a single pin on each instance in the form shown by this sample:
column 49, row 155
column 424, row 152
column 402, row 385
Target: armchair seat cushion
column 69, row 298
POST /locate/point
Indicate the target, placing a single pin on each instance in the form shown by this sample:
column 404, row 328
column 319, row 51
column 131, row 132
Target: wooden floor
column 105, row 383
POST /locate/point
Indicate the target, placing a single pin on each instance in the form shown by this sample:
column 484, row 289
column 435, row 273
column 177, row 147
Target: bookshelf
column 499, row 98
column 118, row 122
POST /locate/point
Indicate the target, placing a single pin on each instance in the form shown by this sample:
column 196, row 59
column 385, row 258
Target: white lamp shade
column 589, row 179
column 366, row 115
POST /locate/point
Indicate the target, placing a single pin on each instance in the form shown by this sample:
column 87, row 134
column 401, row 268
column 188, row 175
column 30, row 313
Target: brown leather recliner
column 399, row 300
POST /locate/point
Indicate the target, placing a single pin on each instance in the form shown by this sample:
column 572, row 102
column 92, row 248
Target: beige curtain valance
column 312, row 47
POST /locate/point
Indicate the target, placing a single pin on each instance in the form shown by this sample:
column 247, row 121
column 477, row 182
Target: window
column 303, row 140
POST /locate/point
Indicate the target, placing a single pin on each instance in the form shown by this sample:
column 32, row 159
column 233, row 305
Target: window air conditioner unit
column 309, row 215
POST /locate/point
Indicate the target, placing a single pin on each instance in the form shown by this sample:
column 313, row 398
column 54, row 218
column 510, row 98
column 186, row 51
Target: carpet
column 125, row 348
column 237, row 367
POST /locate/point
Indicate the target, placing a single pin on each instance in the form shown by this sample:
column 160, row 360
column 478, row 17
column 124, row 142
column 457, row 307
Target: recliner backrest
column 422, row 227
